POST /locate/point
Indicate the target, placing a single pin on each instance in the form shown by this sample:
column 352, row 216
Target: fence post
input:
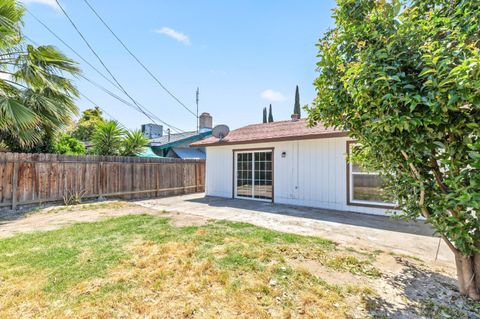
column 14, row 185
column 99, row 179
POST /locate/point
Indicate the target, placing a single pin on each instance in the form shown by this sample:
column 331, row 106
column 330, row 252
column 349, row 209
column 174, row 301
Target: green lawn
column 143, row 266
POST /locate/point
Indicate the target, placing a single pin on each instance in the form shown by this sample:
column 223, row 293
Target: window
column 364, row 188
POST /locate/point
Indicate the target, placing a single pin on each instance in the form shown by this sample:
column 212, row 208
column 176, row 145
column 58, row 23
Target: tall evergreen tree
column 270, row 114
column 296, row 108
column 264, row 115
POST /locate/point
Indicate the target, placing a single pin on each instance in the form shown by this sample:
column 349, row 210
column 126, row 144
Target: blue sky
column 243, row 55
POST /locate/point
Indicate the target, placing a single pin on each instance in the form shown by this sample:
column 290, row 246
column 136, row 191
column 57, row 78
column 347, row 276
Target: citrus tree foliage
column 87, row 124
column 36, row 95
column 66, row 144
column 404, row 79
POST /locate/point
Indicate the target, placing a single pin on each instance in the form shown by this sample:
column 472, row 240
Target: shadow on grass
column 426, row 294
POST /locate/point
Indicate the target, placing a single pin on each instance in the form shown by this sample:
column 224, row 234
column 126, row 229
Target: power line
column 138, row 60
column 115, row 96
column 102, row 109
column 101, row 61
column 101, row 74
column 71, row 49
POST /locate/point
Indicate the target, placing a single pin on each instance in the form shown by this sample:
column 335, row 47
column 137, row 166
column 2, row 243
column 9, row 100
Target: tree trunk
column 476, row 269
column 468, row 274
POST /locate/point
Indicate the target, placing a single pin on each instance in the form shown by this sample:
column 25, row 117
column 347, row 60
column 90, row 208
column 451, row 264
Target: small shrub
column 73, row 197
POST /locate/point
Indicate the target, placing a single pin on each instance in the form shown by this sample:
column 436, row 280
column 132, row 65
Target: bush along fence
column 27, row 179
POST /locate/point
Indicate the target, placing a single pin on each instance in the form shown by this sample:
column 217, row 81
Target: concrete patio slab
column 346, row 228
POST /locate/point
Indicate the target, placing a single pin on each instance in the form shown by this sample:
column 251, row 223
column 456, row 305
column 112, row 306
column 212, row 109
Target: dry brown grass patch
column 168, row 281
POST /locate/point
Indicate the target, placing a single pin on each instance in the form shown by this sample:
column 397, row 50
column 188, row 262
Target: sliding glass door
column 254, row 175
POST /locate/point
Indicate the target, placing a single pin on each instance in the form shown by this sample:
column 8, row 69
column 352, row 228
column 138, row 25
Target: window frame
column 360, row 203
column 234, row 171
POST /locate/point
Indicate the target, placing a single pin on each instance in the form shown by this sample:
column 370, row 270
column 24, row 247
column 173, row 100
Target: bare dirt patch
column 183, row 220
column 408, row 288
column 328, row 274
column 56, row 217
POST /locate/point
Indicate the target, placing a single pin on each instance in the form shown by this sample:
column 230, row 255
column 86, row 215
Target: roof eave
column 181, row 141
column 277, row 139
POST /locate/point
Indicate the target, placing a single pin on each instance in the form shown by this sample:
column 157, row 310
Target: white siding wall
column 313, row 173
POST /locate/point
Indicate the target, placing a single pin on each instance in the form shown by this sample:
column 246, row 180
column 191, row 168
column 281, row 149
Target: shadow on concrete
column 340, row 217
column 425, row 294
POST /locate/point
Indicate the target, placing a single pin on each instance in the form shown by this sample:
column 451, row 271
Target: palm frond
column 15, row 114
column 134, row 143
column 107, row 138
column 38, row 97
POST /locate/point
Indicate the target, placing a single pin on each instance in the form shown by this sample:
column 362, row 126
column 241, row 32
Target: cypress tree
column 264, row 115
column 296, row 108
column 270, row 115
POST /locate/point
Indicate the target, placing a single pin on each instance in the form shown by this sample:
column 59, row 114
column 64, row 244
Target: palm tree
column 108, row 138
column 134, row 143
column 36, row 99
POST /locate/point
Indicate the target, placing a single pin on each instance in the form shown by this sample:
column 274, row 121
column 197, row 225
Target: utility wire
column 101, row 62
column 115, row 96
column 102, row 109
column 71, row 49
column 83, row 95
column 138, row 60
column 101, row 74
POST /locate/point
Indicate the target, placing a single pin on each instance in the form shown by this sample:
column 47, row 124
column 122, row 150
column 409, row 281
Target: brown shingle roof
column 272, row 132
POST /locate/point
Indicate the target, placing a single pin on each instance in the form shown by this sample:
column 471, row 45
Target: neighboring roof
column 147, row 152
column 178, row 138
column 189, row 153
column 272, row 132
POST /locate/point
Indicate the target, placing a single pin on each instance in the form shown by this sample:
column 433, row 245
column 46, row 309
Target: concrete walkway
column 347, row 228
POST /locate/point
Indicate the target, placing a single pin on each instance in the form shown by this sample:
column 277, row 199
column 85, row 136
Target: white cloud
column 50, row 3
column 169, row 32
column 273, row 96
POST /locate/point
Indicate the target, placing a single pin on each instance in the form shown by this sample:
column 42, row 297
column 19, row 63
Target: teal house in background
column 177, row 145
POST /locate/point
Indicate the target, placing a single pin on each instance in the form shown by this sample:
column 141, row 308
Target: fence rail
column 39, row 178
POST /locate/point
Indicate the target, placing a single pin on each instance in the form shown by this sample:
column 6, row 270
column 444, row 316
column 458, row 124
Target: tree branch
column 438, row 176
column 421, row 201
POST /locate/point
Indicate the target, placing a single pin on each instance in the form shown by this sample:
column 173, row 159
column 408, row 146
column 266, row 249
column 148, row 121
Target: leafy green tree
column 69, row 145
column 270, row 114
column 108, row 138
column 296, row 107
column 264, row 115
column 87, row 124
column 36, row 97
column 134, row 143
column 404, row 79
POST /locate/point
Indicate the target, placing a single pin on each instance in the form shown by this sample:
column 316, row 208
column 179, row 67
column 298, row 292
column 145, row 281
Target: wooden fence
column 39, row 178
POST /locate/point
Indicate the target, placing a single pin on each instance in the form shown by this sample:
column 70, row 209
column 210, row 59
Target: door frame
column 234, row 172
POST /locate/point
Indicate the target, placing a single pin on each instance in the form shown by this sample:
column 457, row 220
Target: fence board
column 39, row 178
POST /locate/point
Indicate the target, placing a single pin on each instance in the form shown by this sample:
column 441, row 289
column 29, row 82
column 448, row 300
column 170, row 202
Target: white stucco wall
column 312, row 174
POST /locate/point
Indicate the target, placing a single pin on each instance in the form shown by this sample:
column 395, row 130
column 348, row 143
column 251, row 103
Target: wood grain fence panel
column 37, row 178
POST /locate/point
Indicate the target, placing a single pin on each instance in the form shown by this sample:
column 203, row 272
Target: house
column 286, row 162
column 177, row 145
